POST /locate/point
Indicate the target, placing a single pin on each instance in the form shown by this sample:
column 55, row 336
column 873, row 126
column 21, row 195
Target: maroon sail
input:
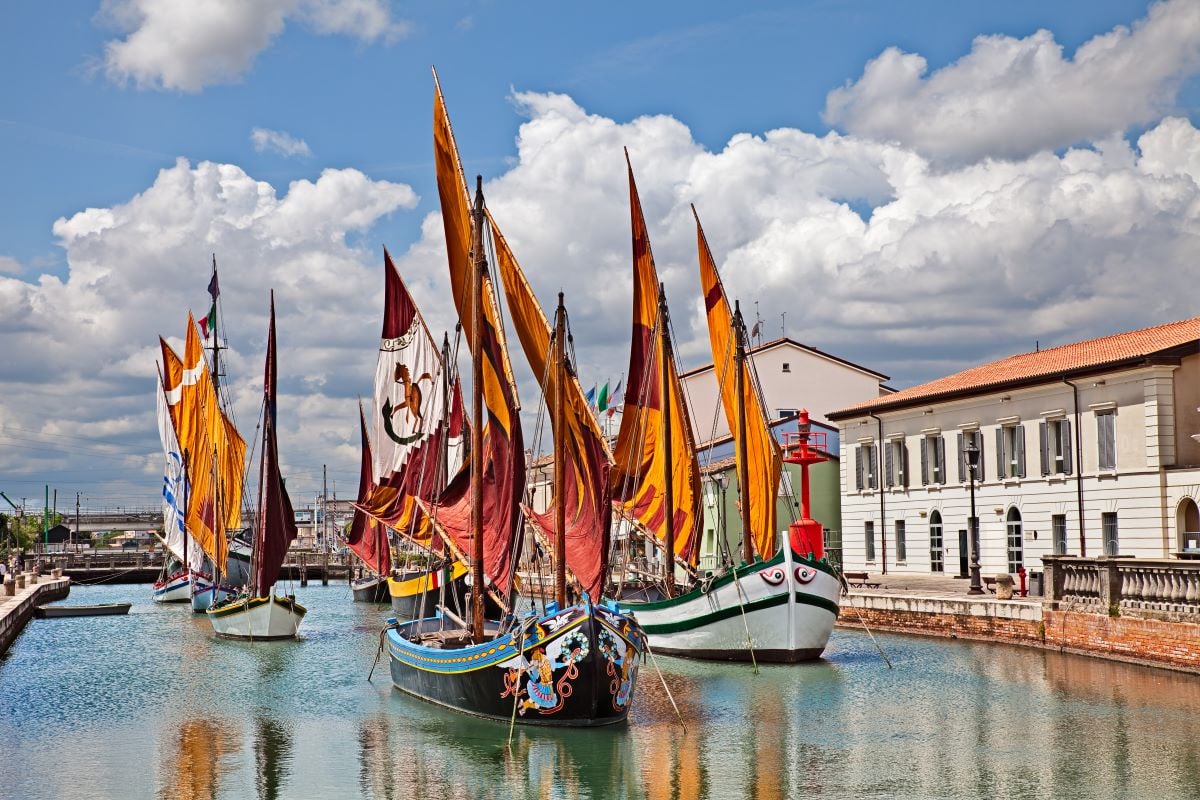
column 368, row 537
column 276, row 520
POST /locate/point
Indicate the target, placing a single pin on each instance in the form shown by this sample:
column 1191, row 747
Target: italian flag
column 208, row 323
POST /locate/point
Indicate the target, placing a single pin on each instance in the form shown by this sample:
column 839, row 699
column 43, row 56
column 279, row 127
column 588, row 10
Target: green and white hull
column 788, row 604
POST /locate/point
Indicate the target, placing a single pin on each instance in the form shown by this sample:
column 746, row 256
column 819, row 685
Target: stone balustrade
column 1159, row 588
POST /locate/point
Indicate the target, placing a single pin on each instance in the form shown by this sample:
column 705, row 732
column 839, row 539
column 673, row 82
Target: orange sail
column 215, row 453
column 587, row 461
column 763, row 462
column 638, row 476
column 502, row 451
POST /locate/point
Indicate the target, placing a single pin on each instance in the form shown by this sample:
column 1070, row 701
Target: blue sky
column 921, row 186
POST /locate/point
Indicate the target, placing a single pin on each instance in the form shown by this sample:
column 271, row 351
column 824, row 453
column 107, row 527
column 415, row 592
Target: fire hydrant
column 1021, row 575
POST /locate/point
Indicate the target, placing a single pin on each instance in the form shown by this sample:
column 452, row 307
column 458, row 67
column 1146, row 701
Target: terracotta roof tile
column 1050, row 363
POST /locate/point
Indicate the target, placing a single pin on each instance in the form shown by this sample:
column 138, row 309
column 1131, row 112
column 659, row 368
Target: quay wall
column 16, row 610
column 1135, row 639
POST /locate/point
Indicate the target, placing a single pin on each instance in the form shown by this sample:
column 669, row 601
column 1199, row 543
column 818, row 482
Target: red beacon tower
column 805, row 448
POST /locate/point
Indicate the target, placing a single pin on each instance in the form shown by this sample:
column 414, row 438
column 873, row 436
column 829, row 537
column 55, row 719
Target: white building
column 1088, row 449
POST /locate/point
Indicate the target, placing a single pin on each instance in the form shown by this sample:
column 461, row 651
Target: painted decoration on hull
column 542, row 691
column 621, row 667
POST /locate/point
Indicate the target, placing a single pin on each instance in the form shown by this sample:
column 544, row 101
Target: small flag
column 213, row 288
column 208, row 323
column 755, row 331
column 591, row 397
column 603, row 403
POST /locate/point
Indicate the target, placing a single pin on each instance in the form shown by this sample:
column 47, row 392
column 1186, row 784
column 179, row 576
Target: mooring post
column 303, row 570
column 325, row 568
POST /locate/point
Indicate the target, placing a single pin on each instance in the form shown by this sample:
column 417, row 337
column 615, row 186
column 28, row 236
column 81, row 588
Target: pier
column 22, row 593
column 144, row 567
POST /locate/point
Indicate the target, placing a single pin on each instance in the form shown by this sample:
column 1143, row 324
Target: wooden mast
column 480, row 261
column 668, row 477
column 739, row 332
column 560, row 455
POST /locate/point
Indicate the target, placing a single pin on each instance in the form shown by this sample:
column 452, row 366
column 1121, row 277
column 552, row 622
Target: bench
column 859, row 580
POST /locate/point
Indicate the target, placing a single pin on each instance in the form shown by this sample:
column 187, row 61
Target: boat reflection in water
column 192, row 769
column 272, row 757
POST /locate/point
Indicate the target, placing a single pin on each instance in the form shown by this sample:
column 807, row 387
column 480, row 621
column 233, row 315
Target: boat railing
column 1116, row 585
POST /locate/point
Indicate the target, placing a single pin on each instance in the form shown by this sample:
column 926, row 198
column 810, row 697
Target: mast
column 444, row 456
column 216, row 345
column 480, row 260
column 560, row 455
column 668, row 477
column 739, row 332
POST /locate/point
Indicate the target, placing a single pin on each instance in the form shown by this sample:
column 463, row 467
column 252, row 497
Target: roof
column 785, row 340
column 1041, row 366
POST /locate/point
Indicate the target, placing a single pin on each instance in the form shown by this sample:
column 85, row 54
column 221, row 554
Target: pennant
column 213, row 288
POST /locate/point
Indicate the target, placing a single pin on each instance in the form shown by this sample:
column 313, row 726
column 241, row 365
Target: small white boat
column 245, row 617
column 174, row 589
column 99, row 610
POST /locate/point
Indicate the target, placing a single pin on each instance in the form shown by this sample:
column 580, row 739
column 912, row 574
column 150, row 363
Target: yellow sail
column 638, row 476
column 215, row 452
column 764, row 461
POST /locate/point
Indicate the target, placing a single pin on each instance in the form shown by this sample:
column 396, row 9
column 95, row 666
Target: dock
column 22, row 593
column 142, row 567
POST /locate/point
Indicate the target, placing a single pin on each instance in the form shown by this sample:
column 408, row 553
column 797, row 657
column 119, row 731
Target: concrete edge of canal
column 28, row 590
column 1142, row 640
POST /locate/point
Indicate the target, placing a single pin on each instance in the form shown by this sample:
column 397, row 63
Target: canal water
column 151, row 705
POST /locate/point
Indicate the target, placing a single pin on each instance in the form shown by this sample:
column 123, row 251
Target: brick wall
column 1174, row 645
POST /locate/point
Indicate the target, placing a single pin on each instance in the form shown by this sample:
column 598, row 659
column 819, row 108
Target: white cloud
column 10, row 265
column 81, row 351
column 1010, row 98
column 189, row 44
column 281, row 142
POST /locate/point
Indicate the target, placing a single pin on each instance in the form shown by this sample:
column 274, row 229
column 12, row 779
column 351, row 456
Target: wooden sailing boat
column 777, row 605
column 417, row 418
column 258, row 613
column 209, row 459
column 575, row 664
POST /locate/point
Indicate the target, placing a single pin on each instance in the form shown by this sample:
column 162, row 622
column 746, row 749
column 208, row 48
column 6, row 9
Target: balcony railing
column 1161, row 588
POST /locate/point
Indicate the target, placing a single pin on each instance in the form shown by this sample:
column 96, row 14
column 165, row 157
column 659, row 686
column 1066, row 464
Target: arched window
column 1016, row 550
column 1188, row 519
column 937, row 548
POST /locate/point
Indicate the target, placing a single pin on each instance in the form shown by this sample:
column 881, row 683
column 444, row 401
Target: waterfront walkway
column 17, row 608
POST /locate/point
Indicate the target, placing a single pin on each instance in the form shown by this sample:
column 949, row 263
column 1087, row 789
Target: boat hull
column 788, row 606
column 101, row 610
column 257, row 618
column 415, row 596
column 370, row 590
column 576, row 667
column 175, row 589
column 203, row 595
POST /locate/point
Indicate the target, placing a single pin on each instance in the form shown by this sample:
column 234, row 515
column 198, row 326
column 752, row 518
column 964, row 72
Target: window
column 1058, row 525
column 895, row 468
column 864, row 467
column 1016, row 554
column 787, row 367
column 1010, row 451
column 933, row 460
column 869, row 530
column 788, row 413
column 1055, row 435
column 901, row 544
column 937, row 548
column 1106, row 438
column 1108, row 525
column 963, row 440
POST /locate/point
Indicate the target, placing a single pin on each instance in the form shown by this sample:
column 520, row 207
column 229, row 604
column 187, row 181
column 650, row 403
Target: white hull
column 788, row 606
column 271, row 617
column 176, row 589
column 202, row 594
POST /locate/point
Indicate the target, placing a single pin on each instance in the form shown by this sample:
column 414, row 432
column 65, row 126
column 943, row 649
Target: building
column 1087, row 449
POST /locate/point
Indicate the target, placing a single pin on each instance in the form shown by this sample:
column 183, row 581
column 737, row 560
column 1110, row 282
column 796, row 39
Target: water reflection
column 192, row 768
column 273, row 755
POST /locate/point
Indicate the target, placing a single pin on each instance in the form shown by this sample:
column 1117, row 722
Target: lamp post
column 972, row 453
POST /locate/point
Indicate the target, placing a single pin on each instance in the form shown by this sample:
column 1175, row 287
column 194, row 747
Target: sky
column 919, row 186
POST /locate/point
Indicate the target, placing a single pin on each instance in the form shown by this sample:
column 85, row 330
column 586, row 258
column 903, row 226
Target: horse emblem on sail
column 411, row 391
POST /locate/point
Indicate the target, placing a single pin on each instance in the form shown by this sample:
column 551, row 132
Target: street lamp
column 972, row 453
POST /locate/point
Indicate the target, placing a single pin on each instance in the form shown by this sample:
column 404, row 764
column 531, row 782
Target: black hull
column 588, row 687
column 424, row 604
column 372, row 591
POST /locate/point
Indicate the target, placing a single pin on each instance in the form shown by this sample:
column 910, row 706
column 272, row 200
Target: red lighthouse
column 805, row 448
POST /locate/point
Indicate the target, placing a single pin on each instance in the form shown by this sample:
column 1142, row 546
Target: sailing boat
column 172, row 585
column 211, row 457
column 777, row 605
column 418, row 444
column 258, row 613
column 574, row 664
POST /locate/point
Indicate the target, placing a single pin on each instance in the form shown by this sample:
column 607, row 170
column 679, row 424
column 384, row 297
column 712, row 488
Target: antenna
column 783, row 324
